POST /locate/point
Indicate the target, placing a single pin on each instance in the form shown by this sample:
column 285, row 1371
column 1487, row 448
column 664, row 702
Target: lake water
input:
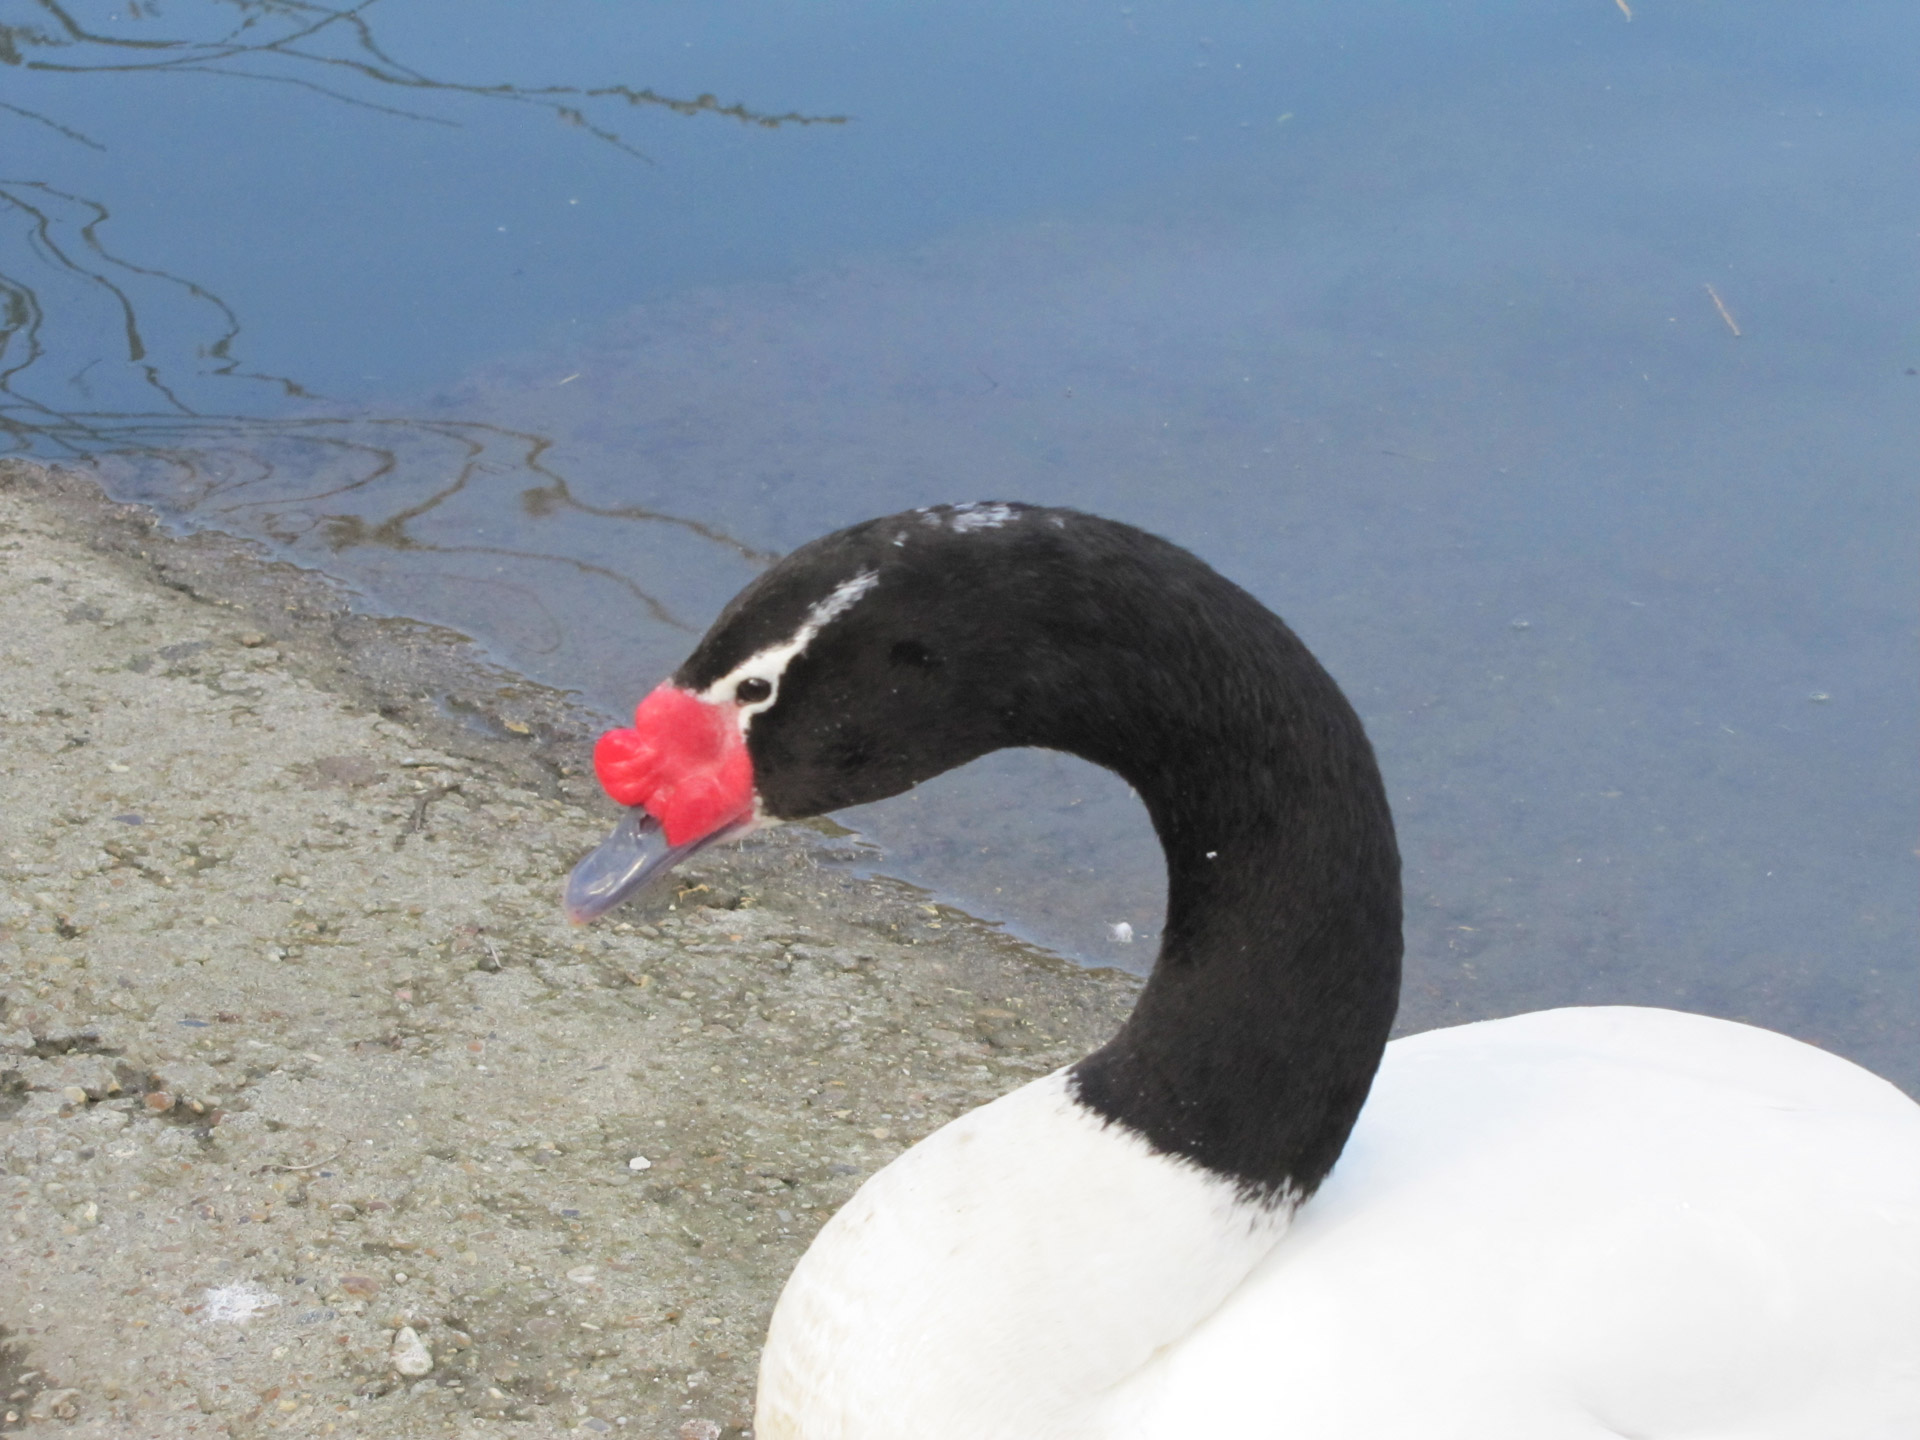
column 1550, row 367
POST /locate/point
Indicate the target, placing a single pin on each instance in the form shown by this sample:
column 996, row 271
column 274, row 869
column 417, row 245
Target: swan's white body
column 1568, row 1225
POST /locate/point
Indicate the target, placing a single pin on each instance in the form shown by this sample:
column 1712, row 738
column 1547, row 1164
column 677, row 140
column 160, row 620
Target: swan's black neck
column 1255, row 1040
column 1257, row 1036
column 1253, row 1045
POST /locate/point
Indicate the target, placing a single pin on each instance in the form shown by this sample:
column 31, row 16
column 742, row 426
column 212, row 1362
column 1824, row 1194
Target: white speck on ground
column 237, row 1303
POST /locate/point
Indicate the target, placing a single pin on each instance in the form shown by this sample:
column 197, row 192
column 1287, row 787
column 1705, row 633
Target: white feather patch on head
column 844, row 595
column 967, row 518
column 980, row 516
column 771, row 663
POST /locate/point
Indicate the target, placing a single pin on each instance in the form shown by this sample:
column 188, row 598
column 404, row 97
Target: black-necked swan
column 1582, row 1223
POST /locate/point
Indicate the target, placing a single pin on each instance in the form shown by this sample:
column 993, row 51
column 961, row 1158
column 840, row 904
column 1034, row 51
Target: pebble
column 700, row 1430
column 65, row 1405
column 409, row 1355
column 639, row 1162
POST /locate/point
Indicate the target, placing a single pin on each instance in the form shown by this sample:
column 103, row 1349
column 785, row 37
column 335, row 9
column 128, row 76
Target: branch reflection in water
column 329, row 49
column 169, row 411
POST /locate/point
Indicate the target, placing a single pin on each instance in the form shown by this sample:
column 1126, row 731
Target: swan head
column 860, row 665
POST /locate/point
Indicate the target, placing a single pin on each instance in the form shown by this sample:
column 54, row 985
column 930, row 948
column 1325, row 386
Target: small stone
column 639, row 1162
column 159, row 1101
column 700, row 1430
column 361, row 1285
column 252, row 639
column 75, row 1095
column 584, row 1275
column 62, row 1405
column 409, row 1355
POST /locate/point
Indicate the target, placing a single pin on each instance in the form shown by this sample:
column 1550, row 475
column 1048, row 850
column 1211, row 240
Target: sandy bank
column 297, row 1055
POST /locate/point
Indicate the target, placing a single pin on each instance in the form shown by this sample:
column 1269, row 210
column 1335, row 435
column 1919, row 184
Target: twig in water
column 1725, row 314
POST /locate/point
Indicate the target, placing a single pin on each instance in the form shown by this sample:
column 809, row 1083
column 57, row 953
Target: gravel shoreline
column 315, row 1116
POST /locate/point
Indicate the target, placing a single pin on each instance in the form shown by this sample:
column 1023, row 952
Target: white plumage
column 1581, row 1223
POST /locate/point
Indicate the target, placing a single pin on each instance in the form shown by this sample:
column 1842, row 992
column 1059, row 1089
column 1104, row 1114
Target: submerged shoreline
column 305, row 1084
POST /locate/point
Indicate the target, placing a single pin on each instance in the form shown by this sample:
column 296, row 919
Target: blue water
column 1551, row 368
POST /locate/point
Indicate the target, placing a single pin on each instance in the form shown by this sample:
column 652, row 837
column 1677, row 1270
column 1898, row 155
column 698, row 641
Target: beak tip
column 629, row 860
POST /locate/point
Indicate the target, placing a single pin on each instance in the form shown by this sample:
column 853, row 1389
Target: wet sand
column 306, row 1085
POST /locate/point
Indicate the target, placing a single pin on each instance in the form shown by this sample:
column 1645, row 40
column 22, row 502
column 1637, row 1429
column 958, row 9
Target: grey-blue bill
column 629, row 860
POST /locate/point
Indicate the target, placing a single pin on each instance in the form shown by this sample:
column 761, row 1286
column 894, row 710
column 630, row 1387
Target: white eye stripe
column 771, row 663
column 843, row 599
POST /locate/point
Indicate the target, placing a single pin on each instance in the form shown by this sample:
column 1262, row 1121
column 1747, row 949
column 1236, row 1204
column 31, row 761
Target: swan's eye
column 752, row 690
